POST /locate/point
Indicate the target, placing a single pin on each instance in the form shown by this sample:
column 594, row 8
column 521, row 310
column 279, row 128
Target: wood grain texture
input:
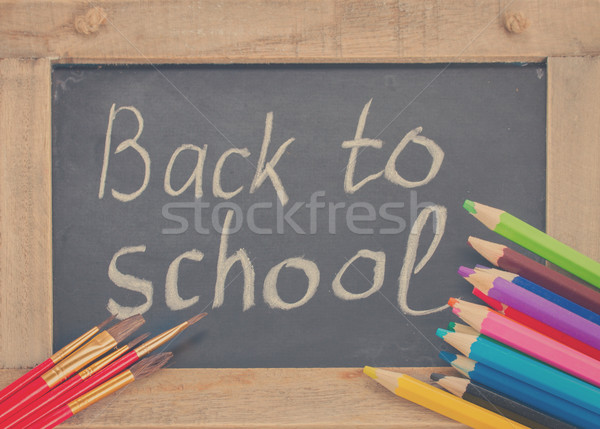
column 262, row 31
column 265, row 398
column 573, row 142
column 25, row 213
column 205, row 31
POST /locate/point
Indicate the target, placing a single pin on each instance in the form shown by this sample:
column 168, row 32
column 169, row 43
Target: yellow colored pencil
column 440, row 401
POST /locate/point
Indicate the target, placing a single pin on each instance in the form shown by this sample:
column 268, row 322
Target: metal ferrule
column 101, row 363
column 99, row 345
column 151, row 345
column 73, row 345
column 101, row 392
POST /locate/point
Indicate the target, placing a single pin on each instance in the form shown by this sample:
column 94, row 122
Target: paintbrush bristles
column 106, row 322
column 137, row 340
column 126, row 327
column 150, row 364
column 196, row 318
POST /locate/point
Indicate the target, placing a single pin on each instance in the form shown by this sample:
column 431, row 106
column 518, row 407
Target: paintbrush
column 141, row 369
column 32, row 410
column 51, row 361
column 113, row 369
column 92, row 350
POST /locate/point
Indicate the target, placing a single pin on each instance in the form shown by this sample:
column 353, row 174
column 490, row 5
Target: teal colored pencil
column 536, row 241
column 523, row 392
column 524, row 368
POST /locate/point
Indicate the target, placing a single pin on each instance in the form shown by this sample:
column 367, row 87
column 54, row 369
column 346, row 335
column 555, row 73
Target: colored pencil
column 100, row 344
column 536, row 241
column 544, row 293
column 494, row 401
column 536, row 325
column 514, row 388
column 460, row 328
column 525, row 368
column 51, row 361
column 111, row 370
column 141, row 369
column 526, row 340
column 534, row 305
column 32, row 409
column 439, row 401
column 514, row 262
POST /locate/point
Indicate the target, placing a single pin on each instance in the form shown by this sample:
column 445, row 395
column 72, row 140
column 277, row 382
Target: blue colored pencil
column 523, row 392
column 544, row 293
column 525, row 368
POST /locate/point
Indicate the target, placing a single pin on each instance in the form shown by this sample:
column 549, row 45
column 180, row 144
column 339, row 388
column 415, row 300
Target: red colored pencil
column 92, row 350
column 538, row 326
column 50, row 362
column 110, row 371
column 143, row 368
column 510, row 260
column 32, row 408
column 528, row 341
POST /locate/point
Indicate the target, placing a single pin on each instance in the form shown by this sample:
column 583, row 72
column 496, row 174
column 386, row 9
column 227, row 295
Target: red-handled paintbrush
column 32, row 409
column 51, row 361
column 141, row 369
column 112, row 370
column 92, row 350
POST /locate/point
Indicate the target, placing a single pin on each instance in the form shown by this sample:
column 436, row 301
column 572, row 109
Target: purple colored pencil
column 534, row 305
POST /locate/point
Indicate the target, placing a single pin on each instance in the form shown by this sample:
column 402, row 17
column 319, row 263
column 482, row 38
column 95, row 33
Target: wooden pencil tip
column 442, row 332
column 106, row 322
column 469, row 206
column 447, row 356
column 126, row 327
column 465, row 271
column 470, row 240
column 435, row 376
column 370, row 371
column 196, row 318
column 452, row 302
column 150, row 364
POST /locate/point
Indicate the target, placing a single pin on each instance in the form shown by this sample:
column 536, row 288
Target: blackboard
column 488, row 120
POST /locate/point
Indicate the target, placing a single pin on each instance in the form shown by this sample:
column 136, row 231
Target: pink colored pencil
column 526, row 340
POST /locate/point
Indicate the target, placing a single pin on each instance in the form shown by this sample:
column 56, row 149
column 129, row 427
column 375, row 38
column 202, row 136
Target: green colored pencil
column 536, row 241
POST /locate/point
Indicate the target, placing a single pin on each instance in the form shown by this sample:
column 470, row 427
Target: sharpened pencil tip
column 465, row 271
column 441, row 332
column 447, row 356
column 469, row 206
column 370, row 371
column 435, row 376
column 452, row 302
column 451, row 326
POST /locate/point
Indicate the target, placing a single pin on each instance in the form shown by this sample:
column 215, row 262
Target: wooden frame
column 38, row 33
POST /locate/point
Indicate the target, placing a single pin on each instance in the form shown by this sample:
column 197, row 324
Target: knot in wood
column 515, row 22
column 91, row 21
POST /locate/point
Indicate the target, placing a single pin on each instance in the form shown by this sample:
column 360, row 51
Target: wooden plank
column 25, row 213
column 265, row 398
column 573, row 177
column 223, row 31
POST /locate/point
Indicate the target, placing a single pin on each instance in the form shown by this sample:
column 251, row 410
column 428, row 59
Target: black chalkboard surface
column 336, row 182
